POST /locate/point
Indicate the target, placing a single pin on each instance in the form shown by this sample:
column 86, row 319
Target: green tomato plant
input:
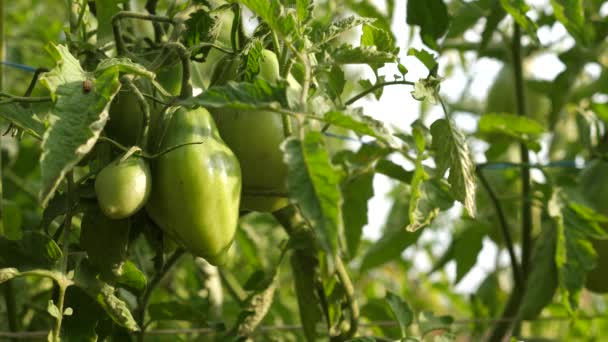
column 211, row 171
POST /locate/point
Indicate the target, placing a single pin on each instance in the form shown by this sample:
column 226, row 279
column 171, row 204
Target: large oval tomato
column 123, row 188
column 196, row 188
column 255, row 136
column 594, row 186
column 502, row 99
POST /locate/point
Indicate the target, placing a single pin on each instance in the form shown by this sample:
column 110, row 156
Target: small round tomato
column 123, row 188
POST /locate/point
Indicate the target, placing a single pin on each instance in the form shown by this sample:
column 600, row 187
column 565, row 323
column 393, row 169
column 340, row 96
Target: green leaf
column 304, row 9
column 429, row 197
column 525, row 129
column 106, row 242
column 313, row 183
column 542, row 281
column 105, row 296
column 23, row 118
column 394, row 239
column 77, row 118
column 347, row 54
column 358, row 123
column 178, row 311
column 32, row 251
column 356, row 193
column 571, row 13
column 401, row 310
column 394, row 171
column 382, row 40
column 283, row 22
column 451, row 151
column 244, row 95
column 432, row 17
column 201, row 27
column 339, row 27
column 132, row 278
column 53, row 310
column 123, row 65
column 334, row 82
column 574, row 253
column 428, row 322
column 106, row 9
column 80, row 326
column 518, row 9
column 464, row 249
column 7, row 274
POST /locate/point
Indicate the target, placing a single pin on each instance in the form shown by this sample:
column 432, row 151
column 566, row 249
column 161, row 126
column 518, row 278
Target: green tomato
column 126, row 118
column 170, row 77
column 255, row 137
column 594, row 187
column 123, row 188
column 196, row 188
column 502, row 98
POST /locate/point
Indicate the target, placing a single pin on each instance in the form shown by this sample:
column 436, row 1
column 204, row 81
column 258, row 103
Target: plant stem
column 60, row 301
column 525, row 157
column 373, row 88
column 349, row 291
column 145, row 299
column 506, row 233
column 501, row 330
column 233, row 286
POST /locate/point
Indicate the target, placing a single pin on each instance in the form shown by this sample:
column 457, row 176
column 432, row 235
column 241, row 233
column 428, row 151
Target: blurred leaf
column 106, row 9
column 105, row 296
column 432, row 17
column 356, row 193
column 496, row 15
column 542, row 281
column 282, row 22
column 574, row 255
column 428, row 59
column 429, row 322
column 313, row 183
column 429, row 196
column 451, row 151
column 525, row 129
column 106, row 242
column 394, row 171
column 32, row 251
column 518, row 9
column 358, row 123
column 242, row 95
column 401, row 311
column 81, row 325
column 23, row 118
column 572, row 15
column 338, row 27
column 178, row 311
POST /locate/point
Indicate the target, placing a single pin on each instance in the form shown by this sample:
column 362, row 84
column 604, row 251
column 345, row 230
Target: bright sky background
column 399, row 109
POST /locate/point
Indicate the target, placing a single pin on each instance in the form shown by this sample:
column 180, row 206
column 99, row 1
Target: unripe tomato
column 255, row 136
column 126, row 118
column 502, row 98
column 594, row 186
column 123, row 188
column 170, row 77
column 196, row 188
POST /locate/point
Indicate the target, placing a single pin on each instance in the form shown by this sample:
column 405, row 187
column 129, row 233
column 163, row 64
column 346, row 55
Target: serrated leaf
column 132, row 278
column 518, row 9
column 429, row 197
column 304, row 9
column 574, row 253
column 401, row 311
column 451, row 151
column 336, row 28
column 201, row 27
column 432, row 17
column 425, row 57
column 77, row 118
column 382, row 40
column 314, row 184
column 243, row 95
column 23, row 118
column 283, row 22
column 347, row 54
column 356, row 194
